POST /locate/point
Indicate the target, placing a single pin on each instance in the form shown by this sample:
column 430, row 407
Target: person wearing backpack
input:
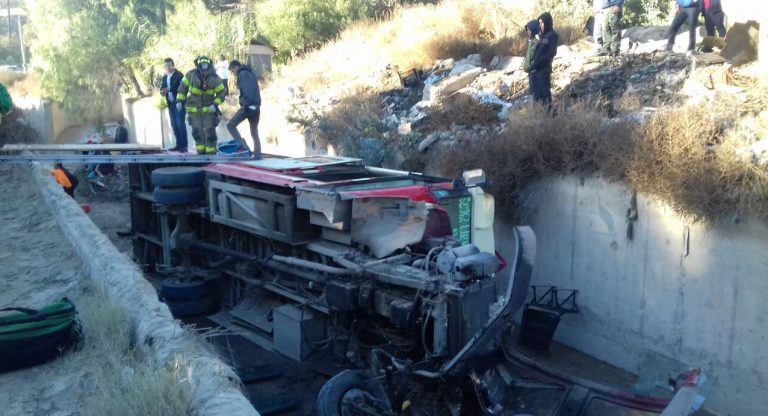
column 532, row 29
column 685, row 11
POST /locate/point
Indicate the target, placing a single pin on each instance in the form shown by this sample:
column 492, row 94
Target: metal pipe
column 274, row 264
column 296, row 272
column 278, row 291
column 293, row 261
column 393, row 259
column 225, row 251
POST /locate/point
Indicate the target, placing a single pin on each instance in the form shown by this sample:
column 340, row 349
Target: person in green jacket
column 532, row 29
column 6, row 103
column 202, row 91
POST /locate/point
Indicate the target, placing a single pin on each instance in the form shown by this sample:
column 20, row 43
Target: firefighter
column 201, row 91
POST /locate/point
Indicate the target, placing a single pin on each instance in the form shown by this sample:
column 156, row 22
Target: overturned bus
column 394, row 275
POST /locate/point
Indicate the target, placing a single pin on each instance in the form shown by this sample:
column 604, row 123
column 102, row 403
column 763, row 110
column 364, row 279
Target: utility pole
column 21, row 45
column 10, row 32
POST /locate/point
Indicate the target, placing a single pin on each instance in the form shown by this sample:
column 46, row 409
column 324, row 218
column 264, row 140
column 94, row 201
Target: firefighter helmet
column 203, row 62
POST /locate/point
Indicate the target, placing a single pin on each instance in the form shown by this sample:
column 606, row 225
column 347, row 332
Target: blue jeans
column 686, row 14
column 178, row 125
column 253, row 120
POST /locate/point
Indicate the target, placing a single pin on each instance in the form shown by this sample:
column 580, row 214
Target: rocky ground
column 461, row 100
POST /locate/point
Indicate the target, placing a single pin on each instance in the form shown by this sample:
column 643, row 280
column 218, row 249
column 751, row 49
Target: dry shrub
column 757, row 94
column 682, row 158
column 679, row 156
column 534, row 145
column 460, row 110
column 15, row 129
column 354, row 127
column 510, row 46
column 451, row 45
column 569, row 34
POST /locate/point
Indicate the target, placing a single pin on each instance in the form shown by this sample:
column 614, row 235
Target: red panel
column 414, row 192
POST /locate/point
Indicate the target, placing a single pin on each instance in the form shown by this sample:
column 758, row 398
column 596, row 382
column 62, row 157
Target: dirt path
column 37, row 267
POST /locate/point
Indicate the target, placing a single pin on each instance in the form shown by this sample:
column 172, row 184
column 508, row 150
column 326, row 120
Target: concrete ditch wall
column 215, row 386
column 677, row 289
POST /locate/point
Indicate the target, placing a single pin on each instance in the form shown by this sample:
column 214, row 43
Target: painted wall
column 703, row 303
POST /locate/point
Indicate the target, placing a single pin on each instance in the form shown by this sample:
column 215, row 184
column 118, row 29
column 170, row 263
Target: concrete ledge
column 215, row 386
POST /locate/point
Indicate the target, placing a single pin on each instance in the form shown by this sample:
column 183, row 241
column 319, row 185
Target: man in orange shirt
column 65, row 178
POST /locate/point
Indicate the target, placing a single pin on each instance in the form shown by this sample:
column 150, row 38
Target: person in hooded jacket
column 532, row 29
column 250, row 107
column 546, row 49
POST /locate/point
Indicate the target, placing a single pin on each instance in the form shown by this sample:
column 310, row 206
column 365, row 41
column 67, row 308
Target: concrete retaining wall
column 215, row 389
column 678, row 289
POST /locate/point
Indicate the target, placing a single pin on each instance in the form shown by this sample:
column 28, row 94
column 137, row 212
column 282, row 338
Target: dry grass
column 415, row 37
column 678, row 156
column 532, row 146
column 21, row 83
column 459, row 110
column 682, row 157
column 120, row 380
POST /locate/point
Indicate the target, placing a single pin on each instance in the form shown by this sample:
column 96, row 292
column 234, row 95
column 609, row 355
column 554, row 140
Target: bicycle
column 110, row 183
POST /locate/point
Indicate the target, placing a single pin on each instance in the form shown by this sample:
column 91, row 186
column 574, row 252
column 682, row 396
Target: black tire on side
column 178, row 196
column 191, row 308
column 177, row 290
column 331, row 394
column 178, row 176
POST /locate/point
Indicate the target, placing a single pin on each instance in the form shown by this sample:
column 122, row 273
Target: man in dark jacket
column 170, row 88
column 121, row 133
column 250, row 107
column 685, row 11
column 612, row 12
column 714, row 18
column 546, row 49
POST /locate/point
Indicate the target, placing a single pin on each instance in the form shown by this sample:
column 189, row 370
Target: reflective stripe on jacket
column 196, row 98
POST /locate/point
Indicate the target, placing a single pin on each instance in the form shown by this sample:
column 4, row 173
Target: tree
column 93, row 51
column 192, row 30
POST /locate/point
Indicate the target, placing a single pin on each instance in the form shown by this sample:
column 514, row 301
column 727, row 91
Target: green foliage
column 574, row 12
column 646, row 12
column 294, row 26
column 194, row 30
column 9, row 49
column 93, row 48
